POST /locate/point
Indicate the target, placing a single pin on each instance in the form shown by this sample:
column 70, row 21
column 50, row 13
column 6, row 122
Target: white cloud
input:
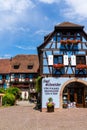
column 5, row 56
column 18, row 29
column 42, row 32
column 76, row 9
column 49, row 1
column 13, row 12
column 15, row 5
column 21, row 13
column 25, row 48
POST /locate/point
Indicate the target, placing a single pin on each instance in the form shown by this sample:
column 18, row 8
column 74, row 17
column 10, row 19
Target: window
column 58, row 59
column 30, row 76
column 16, row 66
column 30, row 66
column 80, row 60
column 17, row 75
column 26, row 75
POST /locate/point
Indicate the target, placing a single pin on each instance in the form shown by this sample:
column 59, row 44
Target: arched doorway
column 74, row 91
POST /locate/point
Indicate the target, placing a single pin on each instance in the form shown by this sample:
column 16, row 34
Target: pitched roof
column 47, row 39
column 61, row 26
column 4, row 66
column 24, row 61
column 68, row 24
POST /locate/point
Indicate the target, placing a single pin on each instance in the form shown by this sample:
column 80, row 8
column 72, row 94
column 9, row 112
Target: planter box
column 50, row 109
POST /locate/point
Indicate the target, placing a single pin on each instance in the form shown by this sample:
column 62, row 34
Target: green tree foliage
column 15, row 91
column 38, row 84
column 8, row 99
column 2, row 90
column 11, row 94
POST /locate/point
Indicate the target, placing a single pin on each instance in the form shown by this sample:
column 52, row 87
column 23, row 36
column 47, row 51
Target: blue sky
column 24, row 23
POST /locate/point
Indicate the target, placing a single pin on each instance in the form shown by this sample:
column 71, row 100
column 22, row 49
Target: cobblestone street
column 25, row 117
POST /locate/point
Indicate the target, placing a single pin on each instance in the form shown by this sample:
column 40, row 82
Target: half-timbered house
column 20, row 71
column 63, row 66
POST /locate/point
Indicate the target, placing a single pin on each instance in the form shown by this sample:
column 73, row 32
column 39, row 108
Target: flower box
column 76, row 41
column 58, row 66
column 68, row 41
column 16, row 79
column 27, row 79
column 81, row 66
column 63, row 41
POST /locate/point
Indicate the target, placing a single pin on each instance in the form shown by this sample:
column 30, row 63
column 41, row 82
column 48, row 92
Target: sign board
column 65, row 59
column 73, row 60
column 50, row 59
column 50, row 88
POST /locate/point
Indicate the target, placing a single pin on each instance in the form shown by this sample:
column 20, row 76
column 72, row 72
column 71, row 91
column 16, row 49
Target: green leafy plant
column 38, row 84
column 15, row 91
column 2, row 90
column 8, row 99
column 50, row 102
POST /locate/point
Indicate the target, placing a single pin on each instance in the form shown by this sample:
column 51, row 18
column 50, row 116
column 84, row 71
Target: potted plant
column 50, row 105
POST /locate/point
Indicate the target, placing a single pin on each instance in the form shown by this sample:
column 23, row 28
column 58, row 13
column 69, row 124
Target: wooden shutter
column 50, row 59
column 73, row 60
column 65, row 59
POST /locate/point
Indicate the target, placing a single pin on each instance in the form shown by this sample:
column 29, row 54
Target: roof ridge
column 68, row 24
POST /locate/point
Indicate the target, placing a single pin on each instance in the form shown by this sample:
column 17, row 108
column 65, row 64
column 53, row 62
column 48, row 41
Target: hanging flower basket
column 58, row 66
column 81, row 66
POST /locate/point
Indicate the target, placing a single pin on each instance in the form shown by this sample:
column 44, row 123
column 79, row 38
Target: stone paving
column 24, row 117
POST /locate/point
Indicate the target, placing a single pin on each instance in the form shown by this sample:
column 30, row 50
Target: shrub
column 8, row 99
column 2, row 90
column 15, row 91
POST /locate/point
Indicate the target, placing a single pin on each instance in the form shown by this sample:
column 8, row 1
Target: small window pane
column 16, row 66
column 30, row 66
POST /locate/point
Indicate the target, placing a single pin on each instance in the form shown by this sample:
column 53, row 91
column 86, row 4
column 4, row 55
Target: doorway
column 74, row 92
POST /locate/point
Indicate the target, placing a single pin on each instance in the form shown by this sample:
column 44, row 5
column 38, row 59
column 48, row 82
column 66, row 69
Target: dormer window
column 16, row 66
column 30, row 66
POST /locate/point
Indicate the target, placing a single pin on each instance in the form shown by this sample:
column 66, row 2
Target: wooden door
column 80, row 97
column 76, row 95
